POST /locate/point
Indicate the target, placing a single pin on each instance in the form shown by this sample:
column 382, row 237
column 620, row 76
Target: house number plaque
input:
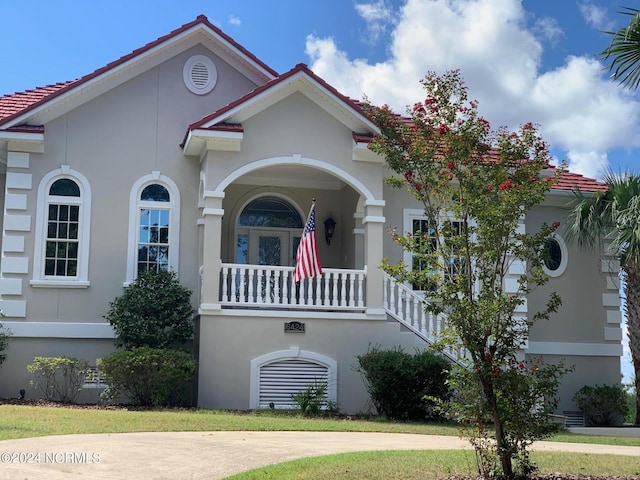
column 294, row 327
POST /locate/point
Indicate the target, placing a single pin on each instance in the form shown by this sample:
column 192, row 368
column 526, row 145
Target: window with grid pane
column 449, row 263
column 153, row 229
column 63, row 222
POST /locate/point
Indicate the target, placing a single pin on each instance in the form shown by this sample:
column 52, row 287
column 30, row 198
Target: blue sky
column 523, row 60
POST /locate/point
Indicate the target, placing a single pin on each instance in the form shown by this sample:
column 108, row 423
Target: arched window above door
column 270, row 212
column 268, row 232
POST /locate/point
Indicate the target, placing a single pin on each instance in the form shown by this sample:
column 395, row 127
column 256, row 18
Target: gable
column 43, row 104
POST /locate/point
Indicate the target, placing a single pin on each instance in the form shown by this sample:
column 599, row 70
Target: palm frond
column 623, row 54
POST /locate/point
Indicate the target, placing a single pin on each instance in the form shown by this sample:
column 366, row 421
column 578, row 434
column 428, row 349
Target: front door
column 270, row 247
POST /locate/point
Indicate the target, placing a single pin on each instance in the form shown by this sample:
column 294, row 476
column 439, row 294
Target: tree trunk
column 632, row 310
column 504, row 452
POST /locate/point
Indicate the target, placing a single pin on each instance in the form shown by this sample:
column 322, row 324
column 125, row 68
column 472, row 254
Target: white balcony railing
column 408, row 308
column 273, row 286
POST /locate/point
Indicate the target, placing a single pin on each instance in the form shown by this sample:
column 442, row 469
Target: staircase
column 407, row 308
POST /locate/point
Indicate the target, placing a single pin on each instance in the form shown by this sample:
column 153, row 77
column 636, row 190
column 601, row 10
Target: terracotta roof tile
column 14, row 103
column 570, row 181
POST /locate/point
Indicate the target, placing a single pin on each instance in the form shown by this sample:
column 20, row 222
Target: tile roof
column 570, row 181
column 18, row 102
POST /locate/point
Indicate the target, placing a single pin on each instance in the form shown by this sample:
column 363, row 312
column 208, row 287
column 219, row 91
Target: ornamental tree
column 475, row 185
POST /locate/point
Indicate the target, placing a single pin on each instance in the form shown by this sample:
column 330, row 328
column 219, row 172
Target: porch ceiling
column 292, row 176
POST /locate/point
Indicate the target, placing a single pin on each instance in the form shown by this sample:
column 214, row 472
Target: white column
column 212, row 251
column 373, row 223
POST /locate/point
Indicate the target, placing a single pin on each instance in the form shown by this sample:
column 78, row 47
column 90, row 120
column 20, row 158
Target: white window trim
column 81, row 280
column 134, row 221
column 564, row 261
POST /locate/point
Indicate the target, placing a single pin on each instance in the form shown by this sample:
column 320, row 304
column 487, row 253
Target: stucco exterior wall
column 294, row 126
column 21, row 352
column 229, row 343
column 114, row 140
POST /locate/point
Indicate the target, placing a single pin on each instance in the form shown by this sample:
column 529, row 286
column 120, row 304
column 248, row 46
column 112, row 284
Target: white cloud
column 235, row 21
column 595, row 16
column 549, row 29
column 579, row 111
column 378, row 16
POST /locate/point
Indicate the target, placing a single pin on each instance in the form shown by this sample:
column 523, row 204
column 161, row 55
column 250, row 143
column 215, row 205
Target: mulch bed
column 559, row 476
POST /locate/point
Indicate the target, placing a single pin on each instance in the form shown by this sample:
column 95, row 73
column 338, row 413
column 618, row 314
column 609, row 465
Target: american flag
column 307, row 260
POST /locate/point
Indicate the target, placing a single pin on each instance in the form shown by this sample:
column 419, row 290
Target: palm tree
column 613, row 216
column 623, row 54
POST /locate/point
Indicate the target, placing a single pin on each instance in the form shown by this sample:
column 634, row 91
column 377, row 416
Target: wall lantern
column 329, row 229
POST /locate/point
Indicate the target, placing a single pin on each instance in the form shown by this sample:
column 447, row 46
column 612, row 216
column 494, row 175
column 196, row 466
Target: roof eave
column 31, row 142
column 201, row 140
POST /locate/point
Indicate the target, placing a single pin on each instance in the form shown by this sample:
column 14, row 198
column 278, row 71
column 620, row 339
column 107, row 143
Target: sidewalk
column 208, row 455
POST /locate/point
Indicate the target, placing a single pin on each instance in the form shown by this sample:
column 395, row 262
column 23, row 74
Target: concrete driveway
column 208, row 455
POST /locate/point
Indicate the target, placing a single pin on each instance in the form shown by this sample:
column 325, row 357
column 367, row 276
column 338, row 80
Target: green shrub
column 401, row 385
column 148, row 376
column 604, row 405
column 4, row 341
column 630, row 394
column 154, row 311
column 58, row 378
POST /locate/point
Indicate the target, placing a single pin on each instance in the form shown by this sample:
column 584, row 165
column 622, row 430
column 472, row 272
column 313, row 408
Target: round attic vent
column 199, row 74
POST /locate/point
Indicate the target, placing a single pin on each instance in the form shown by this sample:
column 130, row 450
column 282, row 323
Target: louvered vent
column 200, row 74
column 279, row 380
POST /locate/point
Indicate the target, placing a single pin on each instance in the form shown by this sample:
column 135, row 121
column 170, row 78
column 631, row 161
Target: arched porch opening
column 261, row 209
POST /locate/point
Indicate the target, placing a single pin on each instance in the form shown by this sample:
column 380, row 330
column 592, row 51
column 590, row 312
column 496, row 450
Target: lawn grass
column 20, row 421
column 430, row 464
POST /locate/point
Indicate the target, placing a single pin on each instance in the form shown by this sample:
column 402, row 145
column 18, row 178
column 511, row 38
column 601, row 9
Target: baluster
column 392, row 297
column 277, row 284
column 385, row 295
column 343, row 290
column 334, row 290
column 309, row 298
column 317, row 291
column 324, row 289
column 223, row 284
column 424, row 319
column 361, row 290
column 352, row 293
column 266, row 275
column 251, row 274
column 235, row 294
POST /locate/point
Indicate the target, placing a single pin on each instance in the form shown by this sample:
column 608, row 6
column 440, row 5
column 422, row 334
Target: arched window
column 62, row 230
column 268, row 232
column 154, row 225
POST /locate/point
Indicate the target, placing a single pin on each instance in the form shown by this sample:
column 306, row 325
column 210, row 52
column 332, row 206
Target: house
column 192, row 154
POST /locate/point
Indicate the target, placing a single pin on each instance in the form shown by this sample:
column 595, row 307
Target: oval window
column 555, row 256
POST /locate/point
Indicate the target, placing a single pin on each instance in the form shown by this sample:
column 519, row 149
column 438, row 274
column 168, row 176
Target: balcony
column 272, row 287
